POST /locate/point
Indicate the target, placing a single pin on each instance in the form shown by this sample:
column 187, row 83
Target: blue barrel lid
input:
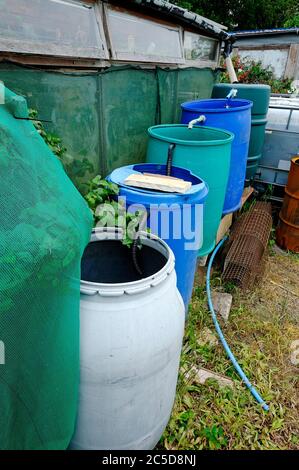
column 217, row 105
column 198, row 190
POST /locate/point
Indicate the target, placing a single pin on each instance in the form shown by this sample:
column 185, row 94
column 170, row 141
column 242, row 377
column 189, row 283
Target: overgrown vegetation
column 262, row 327
column 109, row 212
column 293, row 22
column 250, row 71
column 75, row 169
column 100, row 195
column 245, row 14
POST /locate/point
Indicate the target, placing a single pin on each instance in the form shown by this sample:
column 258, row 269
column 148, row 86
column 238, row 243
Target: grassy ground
column 262, row 326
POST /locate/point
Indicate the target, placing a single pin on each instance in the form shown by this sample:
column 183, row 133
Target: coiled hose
column 223, row 340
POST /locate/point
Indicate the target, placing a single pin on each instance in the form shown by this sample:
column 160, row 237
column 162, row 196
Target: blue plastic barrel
column 176, row 218
column 259, row 94
column 233, row 115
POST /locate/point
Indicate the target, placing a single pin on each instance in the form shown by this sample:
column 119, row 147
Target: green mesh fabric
column 44, row 228
column 104, row 115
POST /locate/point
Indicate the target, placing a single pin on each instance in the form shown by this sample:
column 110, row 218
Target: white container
column 131, row 338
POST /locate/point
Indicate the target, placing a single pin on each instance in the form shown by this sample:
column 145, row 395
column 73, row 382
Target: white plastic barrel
column 131, row 337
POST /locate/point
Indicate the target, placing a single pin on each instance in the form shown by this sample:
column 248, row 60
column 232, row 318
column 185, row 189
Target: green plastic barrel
column 206, row 152
column 260, row 96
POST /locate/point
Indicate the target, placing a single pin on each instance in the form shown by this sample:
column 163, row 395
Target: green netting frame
column 44, row 228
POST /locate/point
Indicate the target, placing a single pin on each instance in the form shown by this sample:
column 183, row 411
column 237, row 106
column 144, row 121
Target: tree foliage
column 293, row 21
column 244, row 14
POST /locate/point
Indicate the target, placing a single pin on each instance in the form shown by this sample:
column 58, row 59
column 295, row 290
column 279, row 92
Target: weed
column 250, row 71
column 214, row 437
column 268, row 193
column 75, row 169
column 109, row 212
column 262, row 325
column 98, row 193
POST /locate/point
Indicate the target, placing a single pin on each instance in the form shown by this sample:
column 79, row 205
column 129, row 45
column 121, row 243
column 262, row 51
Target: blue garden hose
column 223, row 340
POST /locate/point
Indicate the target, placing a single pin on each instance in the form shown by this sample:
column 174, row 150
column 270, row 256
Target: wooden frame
column 292, row 64
column 202, row 62
column 58, row 50
column 261, row 47
column 129, row 57
column 99, row 13
column 57, row 55
column 48, row 62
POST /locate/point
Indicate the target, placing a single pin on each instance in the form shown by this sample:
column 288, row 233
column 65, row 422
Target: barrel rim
column 246, row 105
column 195, row 143
column 251, row 86
column 295, row 160
column 200, row 190
column 133, row 287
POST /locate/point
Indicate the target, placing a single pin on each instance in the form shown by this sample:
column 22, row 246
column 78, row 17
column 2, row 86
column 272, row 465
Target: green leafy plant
column 250, row 71
column 214, row 437
column 272, row 241
column 261, row 326
column 100, row 191
column 268, row 193
column 293, row 22
column 99, row 194
column 76, row 169
column 52, row 140
column 107, row 211
column 245, row 14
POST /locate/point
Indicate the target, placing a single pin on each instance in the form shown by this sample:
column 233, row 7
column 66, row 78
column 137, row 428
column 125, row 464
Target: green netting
column 44, row 228
column 103, row 116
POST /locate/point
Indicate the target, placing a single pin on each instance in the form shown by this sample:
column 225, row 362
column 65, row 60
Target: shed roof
column 183, row 15
column 263, row 32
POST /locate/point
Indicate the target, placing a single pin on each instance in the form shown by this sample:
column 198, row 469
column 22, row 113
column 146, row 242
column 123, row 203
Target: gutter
column 263, row 32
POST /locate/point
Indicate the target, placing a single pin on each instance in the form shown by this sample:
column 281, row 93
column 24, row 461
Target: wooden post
column 291, row 70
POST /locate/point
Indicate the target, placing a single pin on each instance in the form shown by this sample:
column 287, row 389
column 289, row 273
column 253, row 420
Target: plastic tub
column 233, row 115
column 206, row 153
column 176, row 218
column 130, row 344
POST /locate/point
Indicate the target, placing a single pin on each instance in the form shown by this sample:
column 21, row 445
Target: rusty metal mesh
column 248, row 242
column 256, row 222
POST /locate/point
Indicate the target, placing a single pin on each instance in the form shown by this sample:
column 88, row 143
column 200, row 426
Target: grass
column 262, row 326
